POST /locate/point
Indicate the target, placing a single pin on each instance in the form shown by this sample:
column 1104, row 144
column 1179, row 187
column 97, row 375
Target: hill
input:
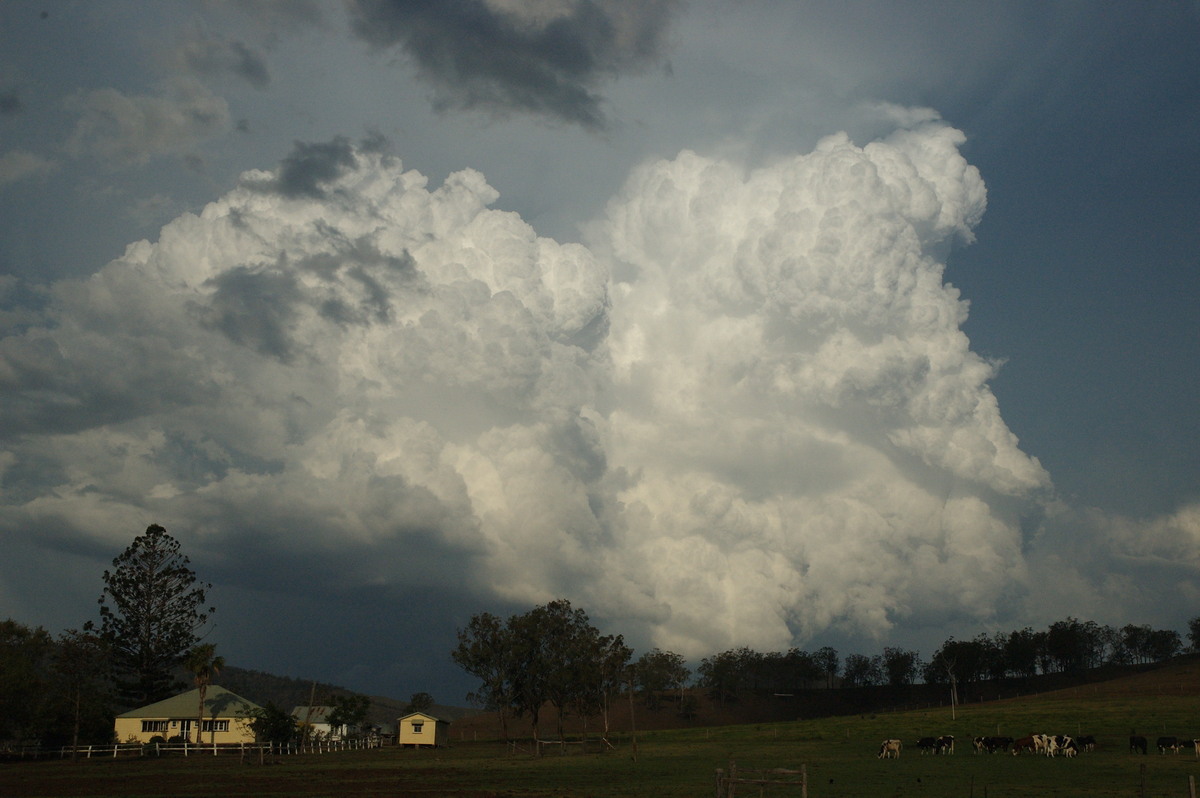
column 1180, row 676
column 286, row 692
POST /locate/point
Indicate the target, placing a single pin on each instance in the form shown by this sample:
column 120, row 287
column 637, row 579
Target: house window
column 417, row 727
column 154, row 726
column 215, row 725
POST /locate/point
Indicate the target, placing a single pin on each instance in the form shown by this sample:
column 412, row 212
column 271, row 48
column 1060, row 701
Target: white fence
column 114, row 750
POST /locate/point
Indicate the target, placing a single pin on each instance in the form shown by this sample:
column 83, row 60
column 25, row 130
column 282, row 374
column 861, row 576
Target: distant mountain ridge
column 287, row 692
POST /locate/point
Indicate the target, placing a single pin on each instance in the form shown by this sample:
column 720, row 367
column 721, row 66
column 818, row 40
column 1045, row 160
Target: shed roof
column 424, row 715
column 312, row 714
column 218, row 703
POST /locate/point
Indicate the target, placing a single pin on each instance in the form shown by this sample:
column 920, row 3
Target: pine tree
column 151, row 611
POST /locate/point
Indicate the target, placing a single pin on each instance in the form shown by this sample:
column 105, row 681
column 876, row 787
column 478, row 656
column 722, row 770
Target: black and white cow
column 994, row 744
column 1067, row 746
column 1168, row 743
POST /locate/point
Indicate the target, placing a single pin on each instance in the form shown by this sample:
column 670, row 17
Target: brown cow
column 1023, row 744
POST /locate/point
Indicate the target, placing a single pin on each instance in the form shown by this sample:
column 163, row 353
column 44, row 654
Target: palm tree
column 204, row 665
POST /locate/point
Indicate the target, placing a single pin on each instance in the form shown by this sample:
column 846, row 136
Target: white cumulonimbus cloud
column 745, row 414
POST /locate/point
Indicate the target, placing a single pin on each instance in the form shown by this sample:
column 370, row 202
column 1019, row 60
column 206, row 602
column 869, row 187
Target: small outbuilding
column 226, row 718
column 420, row 728
column 316, row 719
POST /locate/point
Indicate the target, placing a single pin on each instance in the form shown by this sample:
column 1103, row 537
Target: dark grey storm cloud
column 274, row 15
column 10, row 102
column 254, row 309
column 374, row 304
column 213, row 56
column 519, row 56
column 311, row 165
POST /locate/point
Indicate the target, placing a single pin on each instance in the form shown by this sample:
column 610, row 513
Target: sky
column 761, row 324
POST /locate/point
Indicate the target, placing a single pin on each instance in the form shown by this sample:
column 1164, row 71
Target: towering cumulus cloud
column 809, row 438
column 764, row 424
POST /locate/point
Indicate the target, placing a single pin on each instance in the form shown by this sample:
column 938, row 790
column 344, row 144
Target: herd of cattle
column 1045, row 744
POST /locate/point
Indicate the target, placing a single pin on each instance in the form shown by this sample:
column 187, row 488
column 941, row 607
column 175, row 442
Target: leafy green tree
column 349, row 711
column 1164, row 644
column 1067, row 645
column 612, row 672
column 419, row 702
column 203, row 663
column 1193, row 634
column 273, row 725
column 1136, row 641
column 900, row 666
column 25, row 685
column 80, row 663
column 656, row 672
column 992, row 664
column 485, row 651
column 554, row 647
column 827, row 660
column 798, row 669
column 151, row 610
column 862, row 671
column 551, row 654
column 959, row 661
column 728, row 672
column 1020, row 652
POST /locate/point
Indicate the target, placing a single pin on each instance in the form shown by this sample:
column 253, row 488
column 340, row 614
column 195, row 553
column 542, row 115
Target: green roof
column 218, row 703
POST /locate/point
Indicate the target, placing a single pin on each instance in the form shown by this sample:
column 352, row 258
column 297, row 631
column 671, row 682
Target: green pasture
column 839, row 755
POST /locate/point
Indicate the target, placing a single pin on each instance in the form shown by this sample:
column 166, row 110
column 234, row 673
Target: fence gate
column 728, row 781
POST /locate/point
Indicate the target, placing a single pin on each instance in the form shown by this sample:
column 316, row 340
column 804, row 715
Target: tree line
column 1066, row 646
column 552, row 655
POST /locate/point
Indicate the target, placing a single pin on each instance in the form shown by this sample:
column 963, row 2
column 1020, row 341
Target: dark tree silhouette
column 151, row 611
column 657, row 672
column 901, row 666
column 81, row 664
column 419, row 702
column 485, row 651
column 551, row 654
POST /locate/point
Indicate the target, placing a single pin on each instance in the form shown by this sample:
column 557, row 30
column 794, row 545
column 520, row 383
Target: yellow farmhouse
column 227, row 719
column 420, row 729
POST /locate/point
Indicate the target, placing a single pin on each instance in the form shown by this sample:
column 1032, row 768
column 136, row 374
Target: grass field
column 839, row 755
